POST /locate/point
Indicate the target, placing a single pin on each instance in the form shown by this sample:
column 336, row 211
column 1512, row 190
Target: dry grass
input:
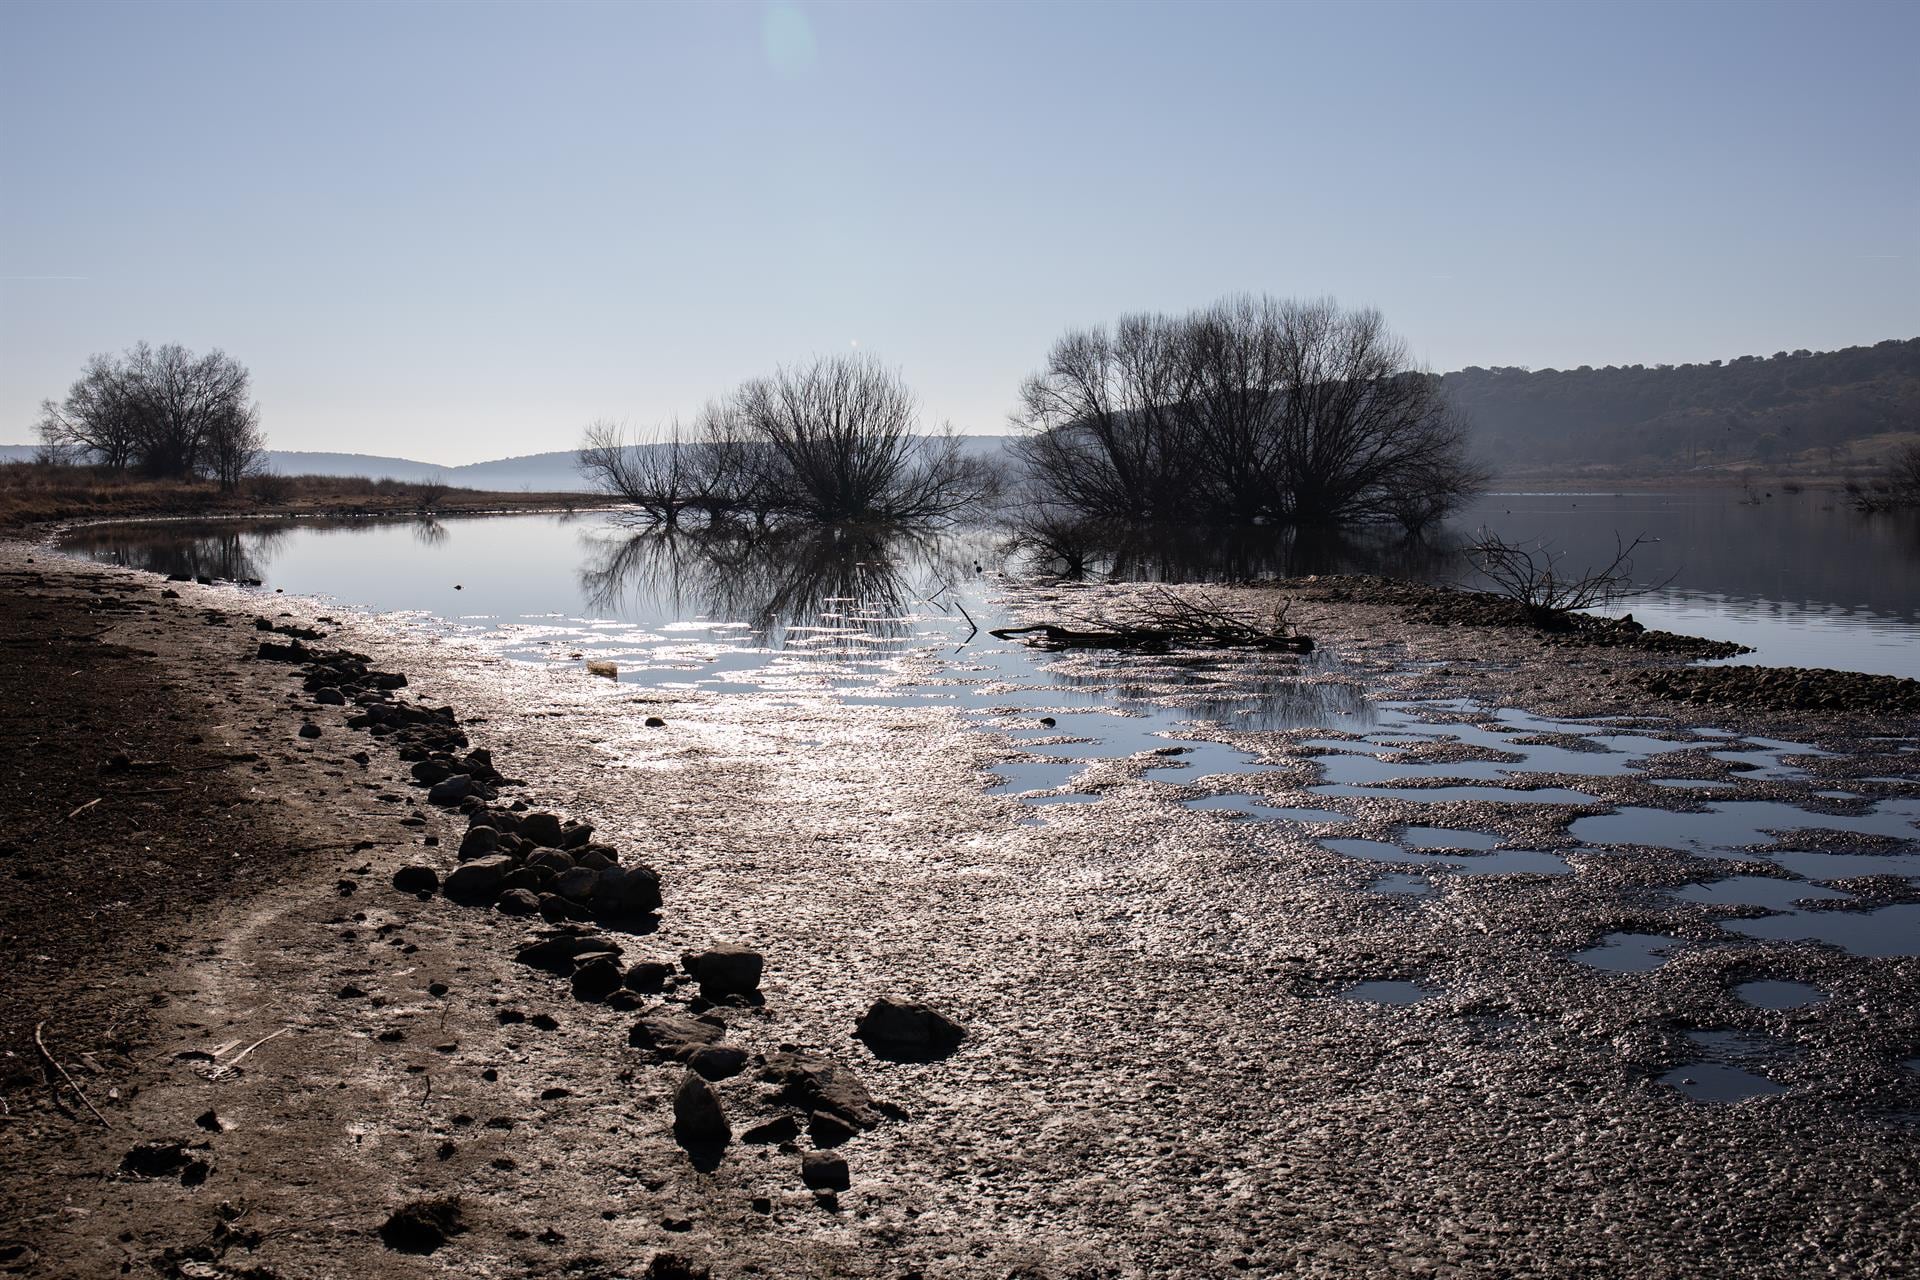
column 37, row 493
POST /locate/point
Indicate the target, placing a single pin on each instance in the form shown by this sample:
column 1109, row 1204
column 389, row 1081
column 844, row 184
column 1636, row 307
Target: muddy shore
column 1156, row 1078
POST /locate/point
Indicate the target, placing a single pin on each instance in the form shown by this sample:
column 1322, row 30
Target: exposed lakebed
column 1720, row 840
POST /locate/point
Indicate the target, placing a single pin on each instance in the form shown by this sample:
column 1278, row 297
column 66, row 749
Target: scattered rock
column 622, row 892
column 309, row 730
column 478, row 842
column 724, row 971
column 906, row 1031
column 718, row 1061
column 674, row 1266
column 824, row 1171
column 421, row 1226
column 649, row 975
column 518, row 902
column 698, row 1117
column 674, row 1035
column 451, row 791
column 597, row 978
column 655, row 722
column 415, row 878
column 479, row 879
column 817, row 1083
column 541, row 828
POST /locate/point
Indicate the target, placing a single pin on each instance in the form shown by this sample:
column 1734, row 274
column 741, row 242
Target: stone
column 627, row 891
column 824, row 1171
column 672, row 1034
column 479, row 878
column 518, row 902
column 724, row 971
column 777, row 1130
column 698, row 1117
column 828, row 1130
column 451, row 790
column 649, row 975
column 432, row 771
column 541, row 828
column 575, row 835
column 309, row 730
column 817, row 1083
column 593, row 860
column 553, row 859
column 597, row 978
column 415, row 878
column 479, row 840
column 555, row 952
column 330, row 698
column 576, row 883
column 718, row 1061
column 421, row 1226
column 907, row 1031
column 655, row 722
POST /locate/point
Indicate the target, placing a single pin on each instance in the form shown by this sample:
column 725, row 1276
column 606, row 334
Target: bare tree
column 161, row 409
column 1252, row 410
column 834, row 441
column 1534, row 576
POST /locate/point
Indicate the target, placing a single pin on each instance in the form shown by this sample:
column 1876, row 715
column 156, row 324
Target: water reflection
column 836, row 588
column 231, row 551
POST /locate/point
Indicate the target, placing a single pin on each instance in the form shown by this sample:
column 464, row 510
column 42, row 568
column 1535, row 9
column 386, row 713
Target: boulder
column 519, row 902
column 824, row 1171
column 698, row 1117
column 541, row 828
column 576, row 883
column 817, row 1083
column 415, row 878
column 479, row 841
column 627, row 891
column 451, row 790
column 718, row 1061
column 725, row 971
column 555, row 951
column 597, row 977
column 479, row 878
column 674, row 1035
column 906, row 1031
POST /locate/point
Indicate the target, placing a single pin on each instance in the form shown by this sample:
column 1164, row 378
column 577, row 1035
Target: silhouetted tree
column 162, row 410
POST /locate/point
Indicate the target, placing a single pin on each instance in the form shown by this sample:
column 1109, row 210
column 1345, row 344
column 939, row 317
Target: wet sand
column 1161, row 1076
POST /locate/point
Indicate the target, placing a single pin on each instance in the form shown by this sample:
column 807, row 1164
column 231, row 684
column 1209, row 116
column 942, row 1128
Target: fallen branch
column 83, row 808
column 226, row 1068
column 52, row 1066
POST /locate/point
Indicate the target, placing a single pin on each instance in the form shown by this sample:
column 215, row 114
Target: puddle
column 1885, row 931
column 1629, row 952
column 1770, row 994
column 1031, row 775
column 1446, row 838
column 1263, row 812
column 1387, row 991
column 1732, row 824
column 1757, row 891
column 1445, row 795
column 1506, row 862
column 1717, row 1075
column 1404, row 885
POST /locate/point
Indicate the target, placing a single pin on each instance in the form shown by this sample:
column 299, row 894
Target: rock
column 824, row 1171
column 478, row 841
column 415, row 878
column 817, row 1083
column 575, row 835
column 157, row 1158
column 828, row 1130
column 541, row 828
column 905, row 1031
column 627, row 891
column 479, row 878
column 698, row 1117
column 552, row 859
column 432, row 771
column 597, row 978
column 718, row 1061
column 593, row 859
column 451, row 790
column 655, row 722
column 672, row 1034
column 724, row 971
column 309, row 730
column 330, row 698
column 649, row 975
column 778, row 1130
column 576, row 883
column 421, row 1226
column 675, row 1266
column 555, row 951
column 518, row 902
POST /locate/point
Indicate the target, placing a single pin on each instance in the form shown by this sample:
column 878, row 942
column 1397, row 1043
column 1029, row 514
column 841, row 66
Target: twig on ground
column 227, row 1068
column 83, row 808
column 54, row 1065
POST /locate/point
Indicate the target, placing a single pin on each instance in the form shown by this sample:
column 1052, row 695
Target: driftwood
column 1169, row 622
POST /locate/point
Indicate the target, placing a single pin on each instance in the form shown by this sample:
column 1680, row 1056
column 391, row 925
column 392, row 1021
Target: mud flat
column 1196, row 1044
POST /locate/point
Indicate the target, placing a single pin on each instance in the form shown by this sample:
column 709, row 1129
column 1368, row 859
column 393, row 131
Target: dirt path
column 1159, row 1078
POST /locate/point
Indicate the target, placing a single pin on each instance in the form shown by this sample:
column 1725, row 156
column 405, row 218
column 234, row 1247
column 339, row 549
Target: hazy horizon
column 460, row 233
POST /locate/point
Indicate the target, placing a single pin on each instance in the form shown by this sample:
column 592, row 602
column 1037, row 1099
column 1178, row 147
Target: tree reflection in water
column 830, row 589
column 237, row 551
column 1145, row 553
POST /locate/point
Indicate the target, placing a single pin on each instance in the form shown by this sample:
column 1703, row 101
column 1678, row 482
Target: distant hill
column 533, row 473
column 1790, row 404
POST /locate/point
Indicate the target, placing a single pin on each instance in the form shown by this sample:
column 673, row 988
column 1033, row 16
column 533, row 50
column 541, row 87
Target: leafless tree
column 1251, row 410
column 834, row 441
column 1533, row 575
column 163, row 410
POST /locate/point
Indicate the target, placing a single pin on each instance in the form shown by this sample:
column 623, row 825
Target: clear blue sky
column 461, row 231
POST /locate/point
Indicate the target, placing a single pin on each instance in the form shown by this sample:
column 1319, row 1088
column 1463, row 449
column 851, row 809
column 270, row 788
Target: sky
column 458, row 231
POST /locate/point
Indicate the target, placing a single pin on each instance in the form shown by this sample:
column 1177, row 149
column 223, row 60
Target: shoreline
column 854, row 849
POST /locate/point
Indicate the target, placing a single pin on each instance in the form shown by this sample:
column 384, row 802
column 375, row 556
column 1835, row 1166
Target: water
column 1779, row 995
column 1629, row 952
column 1723, row 1071
column 1386, row 991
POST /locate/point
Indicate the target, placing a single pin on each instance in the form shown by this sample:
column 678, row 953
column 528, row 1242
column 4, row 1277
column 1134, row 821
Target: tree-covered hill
column 1753, row 408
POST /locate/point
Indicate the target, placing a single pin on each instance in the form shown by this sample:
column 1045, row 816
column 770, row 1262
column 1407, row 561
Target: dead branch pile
column 1170, row 621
